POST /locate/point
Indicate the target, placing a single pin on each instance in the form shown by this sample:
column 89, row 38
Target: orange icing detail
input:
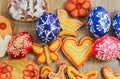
column 77, row 53
column 73, row 74
column 30, row 72
column 37, row 49
column 109, row 74
column 6, row 71
column 69, row 26
column 42, row 58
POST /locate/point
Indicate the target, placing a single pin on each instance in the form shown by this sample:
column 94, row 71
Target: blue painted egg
column 48, row 27
column 99, row 21
column 116, row 24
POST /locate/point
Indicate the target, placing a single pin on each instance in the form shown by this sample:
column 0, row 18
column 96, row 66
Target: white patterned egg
column 99, row 21
column 48, row 27
column 116, row 24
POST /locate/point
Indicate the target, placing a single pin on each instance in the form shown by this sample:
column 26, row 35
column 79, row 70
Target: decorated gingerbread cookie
column 73, row 74
column 22, row 69
column 45, row 72
column 48, row 53
column 77, row 53
column 109, row 74
column 78, row 8
column 69, row 26
column 59, row 75
column 6, row 34
column 27, row 10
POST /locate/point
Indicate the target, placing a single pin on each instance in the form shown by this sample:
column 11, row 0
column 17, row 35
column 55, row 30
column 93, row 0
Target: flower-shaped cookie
column 6, row 71
column 30, row 72
column 78, row 8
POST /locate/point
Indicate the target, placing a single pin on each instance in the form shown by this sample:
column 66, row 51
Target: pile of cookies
column 57, row 33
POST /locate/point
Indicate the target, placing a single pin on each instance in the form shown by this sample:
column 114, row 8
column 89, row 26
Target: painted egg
column 20, row 46
column 48, row 27
column 116, row 24
column 106, row 48
column 99, row 21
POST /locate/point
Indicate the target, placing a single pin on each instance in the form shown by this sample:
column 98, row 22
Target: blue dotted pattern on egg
column 99, row 21
column 116, row 24
column 48, row 27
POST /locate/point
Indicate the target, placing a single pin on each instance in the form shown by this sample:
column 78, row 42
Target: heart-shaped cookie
column 73, row 74
column 77, row 53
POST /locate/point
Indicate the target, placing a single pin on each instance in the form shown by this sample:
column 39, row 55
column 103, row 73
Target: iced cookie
column 109, row 74
column 59, row 75
column 69, row 26
column 47, row 53
column 45, row 72
column 77, row 53
column 78, row 8
column 6, row 34
column 22, row 69
column 20, row 45
column 73, row 74
column 27, row 10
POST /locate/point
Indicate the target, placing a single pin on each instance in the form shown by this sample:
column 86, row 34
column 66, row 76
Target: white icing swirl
column 23, row 9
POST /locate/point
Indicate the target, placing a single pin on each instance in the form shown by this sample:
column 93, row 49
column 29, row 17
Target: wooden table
column 112, row 6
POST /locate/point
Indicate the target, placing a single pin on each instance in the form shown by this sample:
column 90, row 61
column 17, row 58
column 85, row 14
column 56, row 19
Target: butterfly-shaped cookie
column 47, row 53
column 73, row 74
column 109, row 74
column 69, row 26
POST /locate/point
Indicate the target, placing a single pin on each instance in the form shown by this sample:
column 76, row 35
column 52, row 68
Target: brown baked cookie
column 27, row 10
column 18, row 69
column 6, row 33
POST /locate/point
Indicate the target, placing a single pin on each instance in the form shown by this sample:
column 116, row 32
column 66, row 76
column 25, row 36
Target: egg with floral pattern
column 99, row 21
column 48, row 27
column 106, row 48
column 116, row 24
column 20, row 45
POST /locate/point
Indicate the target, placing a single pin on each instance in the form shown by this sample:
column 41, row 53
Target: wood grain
column 112, row 6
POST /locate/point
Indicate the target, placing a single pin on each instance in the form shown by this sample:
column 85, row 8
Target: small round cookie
column 6, row 33
column 27, row 10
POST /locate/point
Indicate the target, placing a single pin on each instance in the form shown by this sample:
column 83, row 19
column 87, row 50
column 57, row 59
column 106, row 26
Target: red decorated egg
column 20, row 45
column 106, row 48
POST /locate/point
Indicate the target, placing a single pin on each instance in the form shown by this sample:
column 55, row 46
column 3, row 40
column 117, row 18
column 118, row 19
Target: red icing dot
column 4, row 70
column 32, row 74
column 2, row 26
